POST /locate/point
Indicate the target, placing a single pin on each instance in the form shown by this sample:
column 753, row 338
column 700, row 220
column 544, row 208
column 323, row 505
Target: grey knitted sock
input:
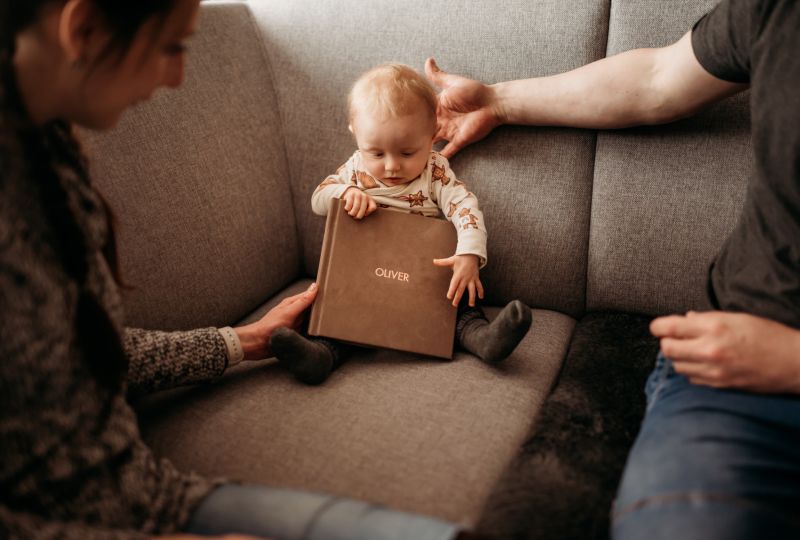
column 310, row 361
column 494, row 342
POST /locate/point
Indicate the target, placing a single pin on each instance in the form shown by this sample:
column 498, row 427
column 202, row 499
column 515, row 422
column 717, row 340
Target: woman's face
column 154, row 59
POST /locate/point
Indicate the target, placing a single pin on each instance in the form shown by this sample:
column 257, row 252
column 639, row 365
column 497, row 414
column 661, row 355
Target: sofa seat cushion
column 413, row 433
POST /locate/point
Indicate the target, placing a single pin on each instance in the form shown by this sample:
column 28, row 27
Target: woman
column 73, row 464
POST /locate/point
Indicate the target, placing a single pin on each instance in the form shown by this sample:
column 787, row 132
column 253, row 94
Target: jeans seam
column 697, row 496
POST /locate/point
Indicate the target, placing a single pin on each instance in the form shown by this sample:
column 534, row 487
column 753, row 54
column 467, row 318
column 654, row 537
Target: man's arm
column 641, row 86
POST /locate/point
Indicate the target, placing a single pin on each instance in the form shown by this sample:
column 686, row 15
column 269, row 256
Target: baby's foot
column 309, row 361
column 494, row 342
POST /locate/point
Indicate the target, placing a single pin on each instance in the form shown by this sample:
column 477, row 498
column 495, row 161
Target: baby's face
column 395, row 150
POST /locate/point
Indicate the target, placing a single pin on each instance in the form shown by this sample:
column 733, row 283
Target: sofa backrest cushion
column 664, row 197
column 199, row 181
column 534, row 185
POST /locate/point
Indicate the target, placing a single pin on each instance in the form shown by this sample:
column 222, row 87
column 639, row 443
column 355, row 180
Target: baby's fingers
column 357, row 202
column 471, row 288
column 479, row 286
column 372, row 206
column 453, row 287
column 459, row 293
column 366, row 202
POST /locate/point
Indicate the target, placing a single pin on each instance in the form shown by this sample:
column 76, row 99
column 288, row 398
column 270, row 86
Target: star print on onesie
column 415, row 199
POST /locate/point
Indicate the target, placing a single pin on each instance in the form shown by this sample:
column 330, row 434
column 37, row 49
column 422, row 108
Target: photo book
column 378, row 286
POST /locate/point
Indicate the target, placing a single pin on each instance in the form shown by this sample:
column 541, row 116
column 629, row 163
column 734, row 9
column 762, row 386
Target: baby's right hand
column 357, row 203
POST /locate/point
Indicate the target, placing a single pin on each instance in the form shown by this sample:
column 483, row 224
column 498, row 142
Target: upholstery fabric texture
column 206, row 222
column 401, row 430
column 664, row 197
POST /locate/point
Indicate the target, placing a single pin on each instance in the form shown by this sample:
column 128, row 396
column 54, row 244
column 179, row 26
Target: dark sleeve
column 722, row 40
column 20, row 526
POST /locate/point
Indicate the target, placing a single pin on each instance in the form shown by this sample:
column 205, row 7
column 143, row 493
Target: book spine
column 318, row 308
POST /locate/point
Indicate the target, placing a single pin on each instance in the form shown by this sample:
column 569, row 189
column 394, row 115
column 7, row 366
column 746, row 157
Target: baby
column 392, row 114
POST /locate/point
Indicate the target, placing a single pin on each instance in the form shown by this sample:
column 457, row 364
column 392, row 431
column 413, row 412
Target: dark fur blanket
column 563, row 481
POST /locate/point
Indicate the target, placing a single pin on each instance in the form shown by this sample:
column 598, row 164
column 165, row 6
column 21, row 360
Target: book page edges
column 322, row 271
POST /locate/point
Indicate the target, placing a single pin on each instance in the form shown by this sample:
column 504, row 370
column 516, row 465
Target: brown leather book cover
column 378, row 286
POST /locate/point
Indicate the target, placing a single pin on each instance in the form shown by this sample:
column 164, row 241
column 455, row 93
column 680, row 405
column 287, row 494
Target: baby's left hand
column 465, row 276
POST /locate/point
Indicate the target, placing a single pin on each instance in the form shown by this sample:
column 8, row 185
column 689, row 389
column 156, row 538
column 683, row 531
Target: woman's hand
column 289, row 313
column 732, row 350
column 466, row 110
column 357, row 203
column 465, row 277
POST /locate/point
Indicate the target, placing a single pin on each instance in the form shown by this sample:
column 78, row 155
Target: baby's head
column 392, row 113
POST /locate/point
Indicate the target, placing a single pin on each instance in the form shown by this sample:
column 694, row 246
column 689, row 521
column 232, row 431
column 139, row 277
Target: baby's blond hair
column 393, row 89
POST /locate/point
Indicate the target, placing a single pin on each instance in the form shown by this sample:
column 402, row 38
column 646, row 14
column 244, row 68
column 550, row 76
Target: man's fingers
column 683, row 350
column 451, row 149
column 676, row 326
column 692, row 369
column 440, row 78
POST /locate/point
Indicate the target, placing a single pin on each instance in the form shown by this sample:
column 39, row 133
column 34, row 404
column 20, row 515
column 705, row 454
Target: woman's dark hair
column 41, row 148
column 123, row 17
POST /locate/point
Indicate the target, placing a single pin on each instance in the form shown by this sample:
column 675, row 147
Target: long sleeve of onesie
column 334, row 186
column 460, row 206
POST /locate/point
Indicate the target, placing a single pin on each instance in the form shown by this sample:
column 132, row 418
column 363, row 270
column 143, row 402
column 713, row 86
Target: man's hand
column 465, row 112
column 289, row 313
column 732, row 350
column 465, row 277
column 357, row 203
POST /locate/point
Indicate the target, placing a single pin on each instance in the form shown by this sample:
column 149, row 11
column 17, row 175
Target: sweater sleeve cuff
column 233, row 344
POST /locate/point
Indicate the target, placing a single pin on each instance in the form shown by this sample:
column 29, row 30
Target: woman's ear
column 80, row 31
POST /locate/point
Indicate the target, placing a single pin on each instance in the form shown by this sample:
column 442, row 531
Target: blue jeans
column 711, row 464
column 283, row 514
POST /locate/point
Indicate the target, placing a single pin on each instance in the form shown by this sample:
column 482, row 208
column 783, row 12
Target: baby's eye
column 377, row 154
column 408, row 154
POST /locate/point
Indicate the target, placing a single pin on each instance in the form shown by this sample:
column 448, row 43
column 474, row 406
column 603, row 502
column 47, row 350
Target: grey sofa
column 597, row 231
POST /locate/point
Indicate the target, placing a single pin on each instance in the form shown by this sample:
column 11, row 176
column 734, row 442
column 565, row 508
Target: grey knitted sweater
column 72, row 463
